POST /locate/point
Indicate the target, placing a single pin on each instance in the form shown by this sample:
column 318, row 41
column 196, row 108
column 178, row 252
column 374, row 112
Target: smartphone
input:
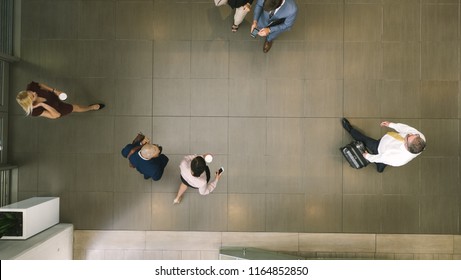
column 254, row 33
column 221, row 170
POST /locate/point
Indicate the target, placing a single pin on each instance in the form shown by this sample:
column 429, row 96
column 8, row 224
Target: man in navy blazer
column 272, row 17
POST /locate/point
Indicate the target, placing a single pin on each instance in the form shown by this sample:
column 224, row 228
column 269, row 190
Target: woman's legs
column 181, row 191
column 240, row 14
column 82, row 109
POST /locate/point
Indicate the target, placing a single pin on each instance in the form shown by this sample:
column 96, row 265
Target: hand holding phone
column 254, row 32
column 221, row 170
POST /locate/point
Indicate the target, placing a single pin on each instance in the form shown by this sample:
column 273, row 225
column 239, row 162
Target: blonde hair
column 26, row 102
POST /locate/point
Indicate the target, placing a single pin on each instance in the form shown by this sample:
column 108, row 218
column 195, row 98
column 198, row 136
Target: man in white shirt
column 395, row 148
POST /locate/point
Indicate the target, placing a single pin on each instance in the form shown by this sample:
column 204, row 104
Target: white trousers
column 240, row 14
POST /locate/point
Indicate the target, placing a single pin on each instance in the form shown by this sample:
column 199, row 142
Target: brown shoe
column 267, row 46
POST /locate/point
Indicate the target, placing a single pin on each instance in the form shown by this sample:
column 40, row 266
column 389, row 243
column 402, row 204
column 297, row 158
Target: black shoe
column 346, row 124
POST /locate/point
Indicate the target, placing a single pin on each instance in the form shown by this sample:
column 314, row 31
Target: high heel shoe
column 177, row 200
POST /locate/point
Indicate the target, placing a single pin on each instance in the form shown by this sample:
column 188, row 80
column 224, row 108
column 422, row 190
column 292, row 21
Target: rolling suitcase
column 353, row 154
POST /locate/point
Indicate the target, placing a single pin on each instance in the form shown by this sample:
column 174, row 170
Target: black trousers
column 371, row 145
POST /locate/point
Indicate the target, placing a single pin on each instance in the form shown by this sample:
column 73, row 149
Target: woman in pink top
column 195, row 174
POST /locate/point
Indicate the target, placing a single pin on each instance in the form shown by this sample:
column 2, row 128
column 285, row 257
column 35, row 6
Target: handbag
column 220, row 2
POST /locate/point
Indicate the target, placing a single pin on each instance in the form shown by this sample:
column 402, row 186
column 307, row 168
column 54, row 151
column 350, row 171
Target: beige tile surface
column 174, row 240
column 274, row 241
column 337, row 242
column 417, row 244
column 109, row 240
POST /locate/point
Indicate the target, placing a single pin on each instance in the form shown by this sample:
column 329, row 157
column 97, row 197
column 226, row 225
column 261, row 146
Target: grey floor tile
column 89, row 210
column 285, row 98
column 23, row 131
column 56, row 173
column 361, row 213
column 30, row 12
column 284, row 174
column 432, row 94
column 247, row 136
column 285, row 212
column 172, row 97
column 28, row 164
column 167, row 27
column 96, row 58
column 209, row 97
column 362, row 98
column 88, row 131
column 172, row 59
column 246, row 60
column 439, row 176
column 324, row 60
column 324, row 21
column 322, row 137
column 437, row 61
column 246, row 174
column 363, row 60
column 133, row 97
column 209, row 135
column 439, row 22
column 323, row 213
column 241, row 103
column 285, row 136
column 287, row 62
column 133, row 58
column 394, row 93
column 435, row 206
column 400, row 214
column 96, row 20
column 58, row 57
column 90, row 179
column 355, row 16
column 59, row 20
column 209, row 59
column 132, row 211
column 323, row 98
column 134, row 20
column 323, row 175
column 401, row 60
column 208, row 213
column 402, row 20
column 246, row 212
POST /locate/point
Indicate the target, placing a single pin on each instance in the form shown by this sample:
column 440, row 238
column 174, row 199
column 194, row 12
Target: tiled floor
column 174, row 70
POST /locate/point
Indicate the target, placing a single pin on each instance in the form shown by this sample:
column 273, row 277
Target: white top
column 392, row 151
column 199, row 182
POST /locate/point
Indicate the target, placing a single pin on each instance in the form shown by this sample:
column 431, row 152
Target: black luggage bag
column 353, row 154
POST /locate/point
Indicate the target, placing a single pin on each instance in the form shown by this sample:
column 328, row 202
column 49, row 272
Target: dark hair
column 197, row 166
column 160, row 149
column 417, row 145
column 270, row 5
